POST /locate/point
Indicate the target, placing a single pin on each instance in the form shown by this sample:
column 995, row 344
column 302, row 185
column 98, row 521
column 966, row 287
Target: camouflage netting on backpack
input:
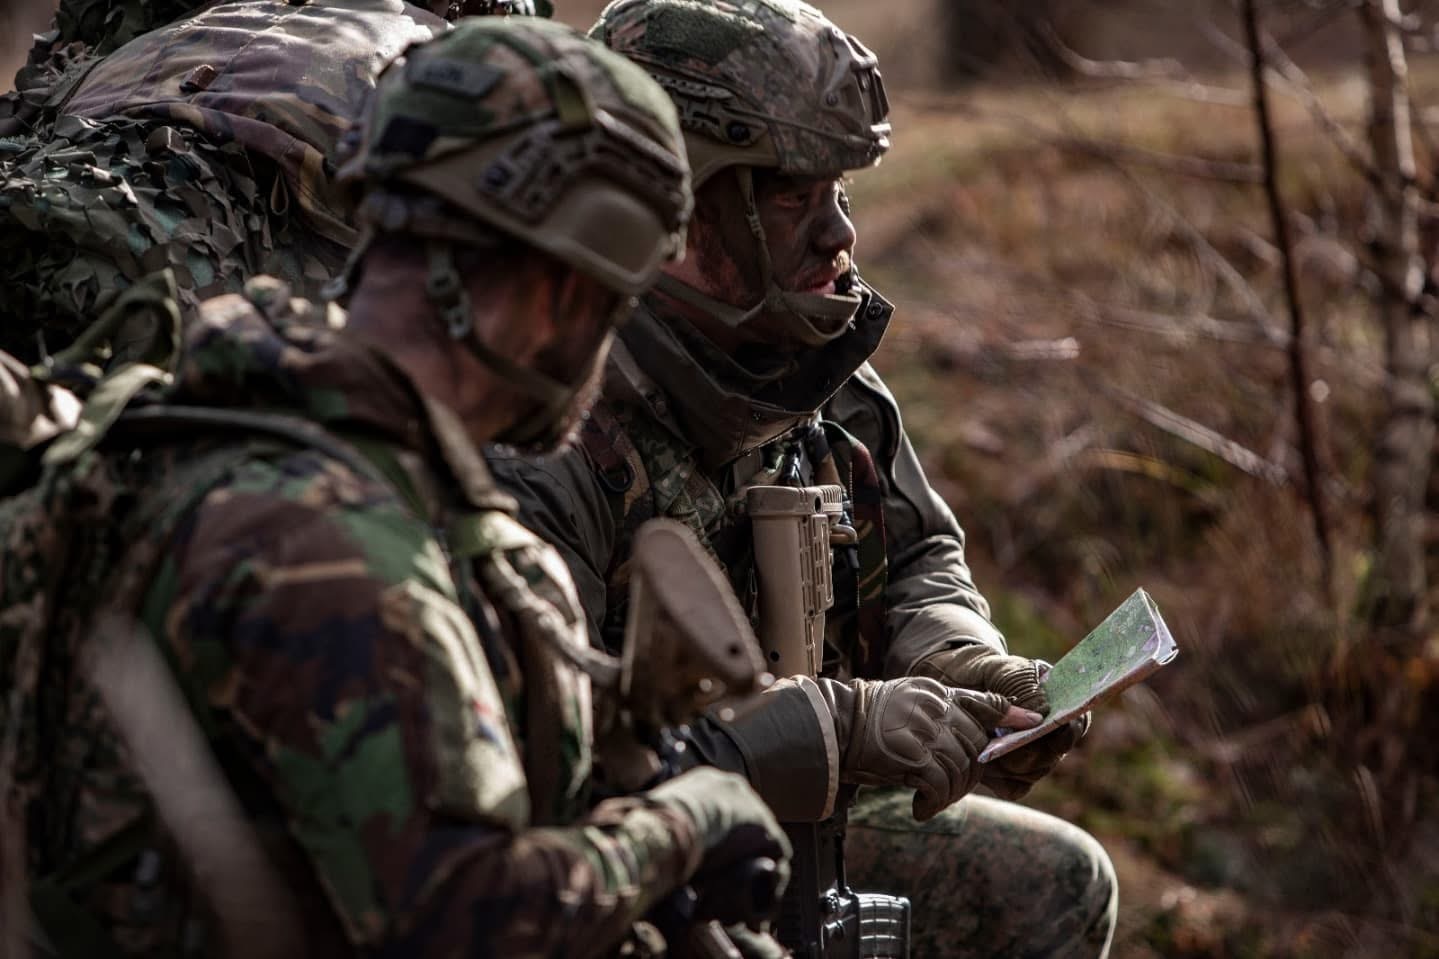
column 202, row 146
column 88, row 213
column 81, row 33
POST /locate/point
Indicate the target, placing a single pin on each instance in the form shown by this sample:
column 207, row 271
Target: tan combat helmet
column 760, row 83
column 520, row 128
column 524, row 127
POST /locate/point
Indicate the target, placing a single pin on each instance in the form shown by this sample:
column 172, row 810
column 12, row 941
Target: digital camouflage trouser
column 986, row 878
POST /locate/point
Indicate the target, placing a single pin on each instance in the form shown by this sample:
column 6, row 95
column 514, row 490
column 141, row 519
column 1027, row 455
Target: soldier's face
column 580, row 315
column 810, row 239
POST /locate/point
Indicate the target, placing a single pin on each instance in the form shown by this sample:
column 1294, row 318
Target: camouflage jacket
column 680, row 427
column 379, row 667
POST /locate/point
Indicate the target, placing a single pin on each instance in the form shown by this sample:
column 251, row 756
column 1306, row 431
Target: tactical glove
column 915, row 733
column 733, row 822
column 981, row 667
column 1014, row 774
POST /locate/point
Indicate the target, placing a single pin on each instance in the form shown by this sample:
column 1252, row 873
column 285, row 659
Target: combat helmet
column 760, row 83
column 524, row 127
column 520, row 129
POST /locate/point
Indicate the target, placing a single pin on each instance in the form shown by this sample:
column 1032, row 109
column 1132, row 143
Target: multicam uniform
column 204, row 145
column 682, row 426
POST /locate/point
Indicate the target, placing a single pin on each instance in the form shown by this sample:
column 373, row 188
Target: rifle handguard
column 793, row 527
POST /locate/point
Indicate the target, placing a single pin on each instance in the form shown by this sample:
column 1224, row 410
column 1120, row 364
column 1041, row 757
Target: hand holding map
column 1129, row 646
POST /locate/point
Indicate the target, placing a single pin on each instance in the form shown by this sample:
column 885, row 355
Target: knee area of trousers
column 1081, row 869
column 1092, row 874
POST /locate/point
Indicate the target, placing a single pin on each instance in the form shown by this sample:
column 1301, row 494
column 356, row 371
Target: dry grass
column 1044, row 291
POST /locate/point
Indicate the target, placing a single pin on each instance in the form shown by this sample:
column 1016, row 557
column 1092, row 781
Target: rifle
column 796, row 529
column 688, row 649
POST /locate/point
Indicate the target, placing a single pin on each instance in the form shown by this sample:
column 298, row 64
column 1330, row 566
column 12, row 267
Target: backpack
column 71, row 519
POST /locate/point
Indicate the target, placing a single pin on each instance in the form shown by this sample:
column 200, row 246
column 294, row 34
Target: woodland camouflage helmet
column 765, row 83
column 523, row 127
column 760, row 83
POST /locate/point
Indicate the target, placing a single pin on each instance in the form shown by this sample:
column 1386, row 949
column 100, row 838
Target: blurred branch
column 1304, row 413
column 1164, row 69
column 1182, row 329
column 1294, row 82
column 1137, row 464
column 1225, row 171
column 1166, row 74
column 1196, row 434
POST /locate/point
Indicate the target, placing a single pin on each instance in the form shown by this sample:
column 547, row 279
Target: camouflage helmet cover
column 524, row 126
column 824, row 112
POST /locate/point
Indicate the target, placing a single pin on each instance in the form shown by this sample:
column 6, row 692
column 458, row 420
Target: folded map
column 1130, row 645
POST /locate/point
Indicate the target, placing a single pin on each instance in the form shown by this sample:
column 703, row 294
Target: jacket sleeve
column 318, row 620
column 933, row 603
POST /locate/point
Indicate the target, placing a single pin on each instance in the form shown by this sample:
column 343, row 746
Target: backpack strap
column 371, row 460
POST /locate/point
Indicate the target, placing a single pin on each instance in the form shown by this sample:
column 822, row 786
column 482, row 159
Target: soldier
column 391, row 674
column 748, row 363
column 149, row 134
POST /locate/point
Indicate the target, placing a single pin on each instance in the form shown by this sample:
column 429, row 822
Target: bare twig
column 1182, row 329
column 1196, row 434
column 1225, row 171
column 1304, row 413
column 1165, row 69
column 1296, row 83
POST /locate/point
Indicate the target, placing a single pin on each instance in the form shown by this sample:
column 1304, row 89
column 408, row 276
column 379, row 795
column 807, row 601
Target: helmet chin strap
column 816, row 318
column 449, row 295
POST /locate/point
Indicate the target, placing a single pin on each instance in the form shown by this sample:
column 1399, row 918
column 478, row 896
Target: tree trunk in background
column 1402, row 460
column 980, row 35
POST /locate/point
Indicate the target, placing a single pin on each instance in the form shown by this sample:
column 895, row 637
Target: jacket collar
column 723, row 406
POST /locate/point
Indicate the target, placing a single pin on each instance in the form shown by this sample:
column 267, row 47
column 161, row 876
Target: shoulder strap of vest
column 290, row 429
column 856, row 467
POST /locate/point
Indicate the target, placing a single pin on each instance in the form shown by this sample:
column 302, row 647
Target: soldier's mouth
column 822, row 284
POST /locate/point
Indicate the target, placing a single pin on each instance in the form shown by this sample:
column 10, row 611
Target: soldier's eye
column 793, row 200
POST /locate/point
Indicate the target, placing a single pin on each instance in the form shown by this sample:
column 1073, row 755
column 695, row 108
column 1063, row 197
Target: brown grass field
column 1079, row 364
column 1051, row 291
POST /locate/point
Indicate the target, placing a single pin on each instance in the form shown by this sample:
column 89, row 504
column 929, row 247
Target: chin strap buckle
column 445, row 290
